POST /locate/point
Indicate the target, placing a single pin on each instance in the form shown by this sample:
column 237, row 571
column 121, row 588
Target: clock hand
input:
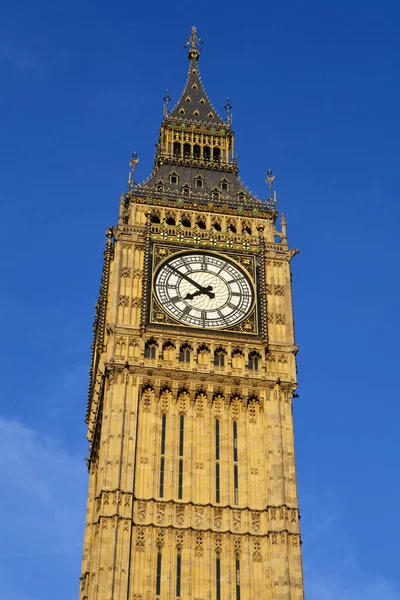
column 199, row 292
column 202, row 289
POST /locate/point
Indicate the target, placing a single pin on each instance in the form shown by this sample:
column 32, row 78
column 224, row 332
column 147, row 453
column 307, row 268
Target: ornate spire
column 194, row 44
column 194, row 104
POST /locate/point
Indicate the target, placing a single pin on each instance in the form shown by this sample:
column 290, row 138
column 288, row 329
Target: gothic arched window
column 155, row 218
column 198, row 182
column 170, row 219
column 150, row 348
column 254, row 361
column 219, row 357
column 185, row 353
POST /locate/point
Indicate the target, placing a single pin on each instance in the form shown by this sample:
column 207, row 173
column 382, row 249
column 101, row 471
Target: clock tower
column 192, row 491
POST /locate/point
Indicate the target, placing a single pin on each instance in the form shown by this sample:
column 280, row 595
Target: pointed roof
column 194, row 103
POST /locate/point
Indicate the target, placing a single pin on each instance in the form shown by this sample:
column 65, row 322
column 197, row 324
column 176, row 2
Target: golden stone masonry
column 192, row 491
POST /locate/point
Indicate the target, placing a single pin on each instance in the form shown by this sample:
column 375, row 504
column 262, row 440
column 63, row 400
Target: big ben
column 192, row 475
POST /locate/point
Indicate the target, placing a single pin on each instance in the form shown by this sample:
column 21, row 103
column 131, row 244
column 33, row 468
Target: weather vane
column 133, row 163
column 228, row 108
column 167, row 100
column 270, row 182
column 194, row 44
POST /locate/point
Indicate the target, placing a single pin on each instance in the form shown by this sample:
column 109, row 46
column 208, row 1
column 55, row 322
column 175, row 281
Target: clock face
column 203, row 290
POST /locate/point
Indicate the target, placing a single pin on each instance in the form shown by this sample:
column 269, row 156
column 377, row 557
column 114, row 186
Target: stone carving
column 165, row 399
column 124, row 301
column 200, row 466
column 255, row 522
column 198, row 516
column 183, row 401
column 140, row 539
column 254, row 471
column 257, row 551
column 280, row 319
column 237, row 544
column 125, row 272
column 160, row 539
column 144, row 460
column 201, row 399
column 236, row 519
column 141, row 511
column 180, row 515
column 136, row 302
column 160, row 517
column 273, row 514
column 198, row 549
column 274, row 539
column 218, row 400
column 179, row 542
column 218, row 518
column 218, row 545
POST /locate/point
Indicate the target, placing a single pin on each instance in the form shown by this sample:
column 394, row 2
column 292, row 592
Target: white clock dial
column 203, row 290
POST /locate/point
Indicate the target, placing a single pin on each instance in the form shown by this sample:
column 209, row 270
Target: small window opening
column 160, row 187
column 224, row 186
column 186, row 150
column 186, row 190
column 187, row 99
column 201, row 223
column 215, row 195
column 211, row 115
column 202, row 101
column 182, row 111
column 196, row 112
column 184, row 353
column 217, row 154
column 246, row 229
column 198, row 182
column 150, row 349
column 186, row 222
column 217, row 226
column 170, row 220
column 206, row 152
column 155, row 218
column 254, row 360
column 177, row 149
column 196, row 151
column 219, row 357
column 232, row 227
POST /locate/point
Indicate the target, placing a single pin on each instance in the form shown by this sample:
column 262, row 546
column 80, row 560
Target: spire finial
column 270, row 182
column 228, row 108
column 133, row 163
column 194, row 44
column 270, row 179
column 167, row 100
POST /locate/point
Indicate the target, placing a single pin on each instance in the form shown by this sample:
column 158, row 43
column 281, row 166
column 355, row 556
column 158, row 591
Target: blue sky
column 316, row 95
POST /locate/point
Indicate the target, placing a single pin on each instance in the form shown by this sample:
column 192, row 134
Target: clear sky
column 316, row 95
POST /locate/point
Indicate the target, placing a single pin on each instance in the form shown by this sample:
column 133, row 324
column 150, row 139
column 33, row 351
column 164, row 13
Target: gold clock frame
column 245, row 261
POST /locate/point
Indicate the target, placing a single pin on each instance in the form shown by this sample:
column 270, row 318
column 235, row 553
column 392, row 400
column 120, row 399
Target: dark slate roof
column 194, row 100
